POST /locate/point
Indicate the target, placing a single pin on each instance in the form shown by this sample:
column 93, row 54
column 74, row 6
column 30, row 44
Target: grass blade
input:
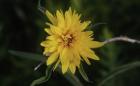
column 44, row 78
column 118, row 71
column 39, row 81
column 27, row 55
column 73, row 80
column 83, row 73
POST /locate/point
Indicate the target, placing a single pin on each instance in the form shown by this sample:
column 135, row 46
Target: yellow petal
column 52, row 37
column 53, row 49
column 51, row 17
column 72, row 68
column 46, row 51
column 48, row 24
column 88, row 33
column 83, row 54
column 68, row 19
column 70, row 11
column 76, row 57
column 56, row 30
column 96, row 44
column 44, row 43
column 86, row 60
column 84, row 25
column 52, row 58
column 65, row 66
column 60, row 18
column 48, row 31
column 60, row 49
column 64, row 55
column 88, row 53
column 92, row 55
column 65, row 59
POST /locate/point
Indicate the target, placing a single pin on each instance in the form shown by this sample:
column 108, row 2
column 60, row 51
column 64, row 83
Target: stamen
column 67, row 39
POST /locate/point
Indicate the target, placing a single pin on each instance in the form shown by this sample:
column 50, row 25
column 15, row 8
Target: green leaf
column 27, row 55
column 39, row 81
column 44, row 78
column 119, row 71
column 83, row 73
column 49, row 72
column 73, row 79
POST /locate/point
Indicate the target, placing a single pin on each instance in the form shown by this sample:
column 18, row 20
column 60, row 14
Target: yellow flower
column 68, row 42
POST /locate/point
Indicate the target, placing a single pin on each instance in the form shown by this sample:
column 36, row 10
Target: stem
column 122, row 38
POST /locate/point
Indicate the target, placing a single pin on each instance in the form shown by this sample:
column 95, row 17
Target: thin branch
column 97, row 24
column 38, row 66
column 40, row 8
column 122, row 38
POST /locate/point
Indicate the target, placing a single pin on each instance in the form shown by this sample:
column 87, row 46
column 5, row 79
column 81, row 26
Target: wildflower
column 68, row 42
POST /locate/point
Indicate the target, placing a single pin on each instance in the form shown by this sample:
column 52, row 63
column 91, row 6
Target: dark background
column 21, row 28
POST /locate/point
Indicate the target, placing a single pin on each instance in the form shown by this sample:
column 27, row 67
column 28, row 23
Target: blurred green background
column 21, row 29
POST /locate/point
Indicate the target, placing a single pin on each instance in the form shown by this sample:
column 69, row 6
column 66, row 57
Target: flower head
column 68, row 42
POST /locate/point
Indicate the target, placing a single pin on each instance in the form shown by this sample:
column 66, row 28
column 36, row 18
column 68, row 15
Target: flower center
column 67, row 40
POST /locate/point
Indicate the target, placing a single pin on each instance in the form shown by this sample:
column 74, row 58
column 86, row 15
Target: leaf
column 73, row 79
column 83, row 73
column 27, row 55
column 44, row 78
column 39, row 81
column 49, row 72
column 119, row 71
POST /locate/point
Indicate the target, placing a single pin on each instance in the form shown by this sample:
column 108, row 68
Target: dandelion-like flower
column 68, row 42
